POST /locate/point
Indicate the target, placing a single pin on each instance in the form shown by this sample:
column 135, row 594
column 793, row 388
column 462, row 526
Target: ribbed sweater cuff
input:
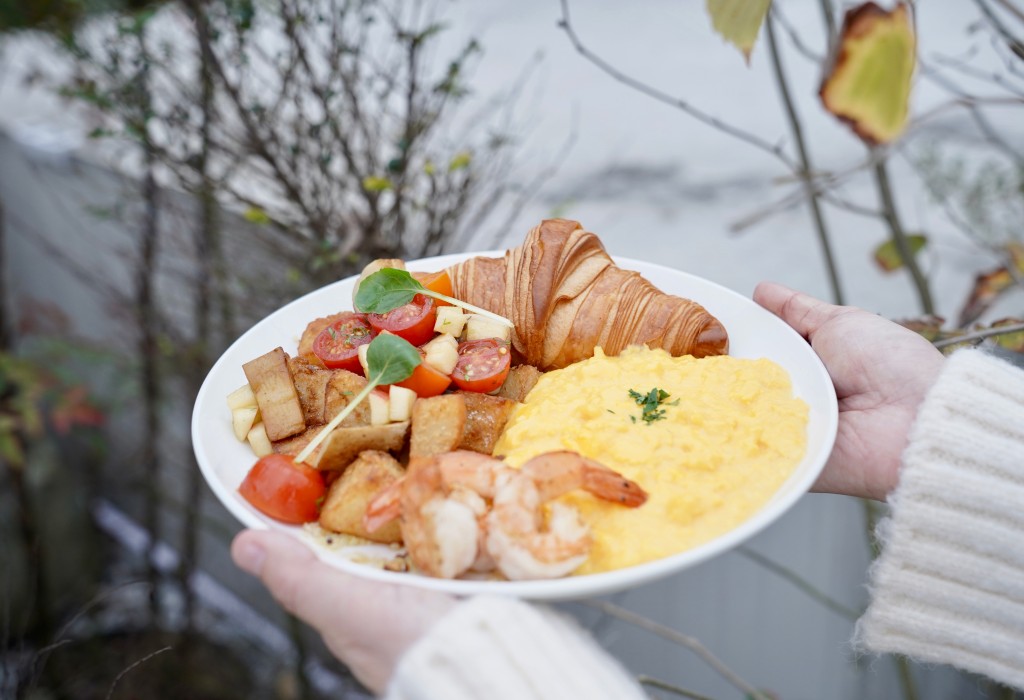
column 500, row 648
column 949, row 585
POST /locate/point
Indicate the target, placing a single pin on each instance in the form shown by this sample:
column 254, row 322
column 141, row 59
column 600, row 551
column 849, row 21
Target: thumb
column 804, row 313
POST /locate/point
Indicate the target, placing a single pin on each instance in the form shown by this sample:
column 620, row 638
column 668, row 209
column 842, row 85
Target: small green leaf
column 255, row 215
column 386, row 289
column 888, row 256
column 372, row 183
column 460, row 161
column 738, row 21
column 391, row 359
column 429, row 167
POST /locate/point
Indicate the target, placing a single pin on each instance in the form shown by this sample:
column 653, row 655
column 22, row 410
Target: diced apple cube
column 450, row 320
column 442, row 353
column 242, row 420
column 400, row 401
column 361, row 351
column 379, row 407
column 479, row 327
column 242, row 397
column 258, row 440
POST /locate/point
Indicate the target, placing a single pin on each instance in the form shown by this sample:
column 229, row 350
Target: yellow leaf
column 738, row 21
column 888, row 255
column 460, row 160
column 372, row 183
column 255, row 215
column 869, row 83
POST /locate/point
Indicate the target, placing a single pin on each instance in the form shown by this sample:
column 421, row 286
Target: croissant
column 566, row 296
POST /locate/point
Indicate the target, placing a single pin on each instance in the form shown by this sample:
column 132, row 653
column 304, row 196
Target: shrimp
column 521, row 543
column 442, row 501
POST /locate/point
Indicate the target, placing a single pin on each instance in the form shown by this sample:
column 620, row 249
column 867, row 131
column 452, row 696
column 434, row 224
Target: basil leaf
column 390, row 359
column 386, row 289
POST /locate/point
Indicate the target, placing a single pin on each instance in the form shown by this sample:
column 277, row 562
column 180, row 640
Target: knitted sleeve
column 949, row 585
column 499, row 648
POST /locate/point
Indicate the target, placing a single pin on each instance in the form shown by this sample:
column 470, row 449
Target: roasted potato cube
column 342, row 388
column 311, row 382
column 346, row 500
column 519, row 382
column 437, row 424
column 271, row 382
column 486, row 417
column 343, row 445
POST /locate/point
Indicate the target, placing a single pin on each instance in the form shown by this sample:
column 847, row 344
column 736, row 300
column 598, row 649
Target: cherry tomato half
column 337, row 346
column 438, row 282
column 483, row 365
column 284, row 490
column 426, row 381
column 413, row 321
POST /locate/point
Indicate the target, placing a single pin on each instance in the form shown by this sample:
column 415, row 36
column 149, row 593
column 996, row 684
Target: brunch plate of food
column 545, row 422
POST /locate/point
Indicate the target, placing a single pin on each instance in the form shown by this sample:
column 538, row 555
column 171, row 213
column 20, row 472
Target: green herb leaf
column 651, row 403
column 391, row 359
column 386, row 289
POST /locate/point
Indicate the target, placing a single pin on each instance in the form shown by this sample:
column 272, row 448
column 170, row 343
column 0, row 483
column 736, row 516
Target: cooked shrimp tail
column 555, row 473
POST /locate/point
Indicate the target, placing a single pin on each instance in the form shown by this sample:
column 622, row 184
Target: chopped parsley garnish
column 652, row 403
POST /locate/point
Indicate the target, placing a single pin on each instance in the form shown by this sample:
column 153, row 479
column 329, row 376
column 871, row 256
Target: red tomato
column 414, row 321
column 284, row 490
column 426, row 381
column 438, row 282
column 337, row 346
column 483, row 365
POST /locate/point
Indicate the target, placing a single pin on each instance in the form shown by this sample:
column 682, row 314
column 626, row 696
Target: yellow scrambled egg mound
column 728, row 434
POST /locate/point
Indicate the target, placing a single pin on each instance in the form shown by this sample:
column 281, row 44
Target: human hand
column 881, row 372
column 366, row 624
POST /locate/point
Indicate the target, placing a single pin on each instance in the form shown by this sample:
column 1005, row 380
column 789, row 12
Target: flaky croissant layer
column 566, row 297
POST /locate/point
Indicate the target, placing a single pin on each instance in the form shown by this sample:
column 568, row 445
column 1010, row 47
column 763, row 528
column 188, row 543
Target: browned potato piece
column 311, row 384
column 346, row 500
column 486, row 417
column 519, row 382
column 343, row 445
column 271, row 382
column 342, row 388
column 437, row 424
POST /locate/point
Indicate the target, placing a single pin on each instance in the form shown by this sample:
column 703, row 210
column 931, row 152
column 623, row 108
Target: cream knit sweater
column 948, row 588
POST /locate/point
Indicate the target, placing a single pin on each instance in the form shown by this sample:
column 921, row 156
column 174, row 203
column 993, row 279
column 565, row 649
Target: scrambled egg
column 709, row 454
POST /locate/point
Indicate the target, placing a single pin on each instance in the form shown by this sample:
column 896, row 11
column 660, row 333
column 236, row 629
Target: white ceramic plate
column 753, row 332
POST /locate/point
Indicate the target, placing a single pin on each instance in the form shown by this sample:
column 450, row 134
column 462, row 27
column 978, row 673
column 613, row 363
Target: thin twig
column 980, row 335
column 900, row 240
column 805, row 162
column 745, row 136
column 677, row 637
column 668, row 687
column 135, row 665
column 791, row 576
